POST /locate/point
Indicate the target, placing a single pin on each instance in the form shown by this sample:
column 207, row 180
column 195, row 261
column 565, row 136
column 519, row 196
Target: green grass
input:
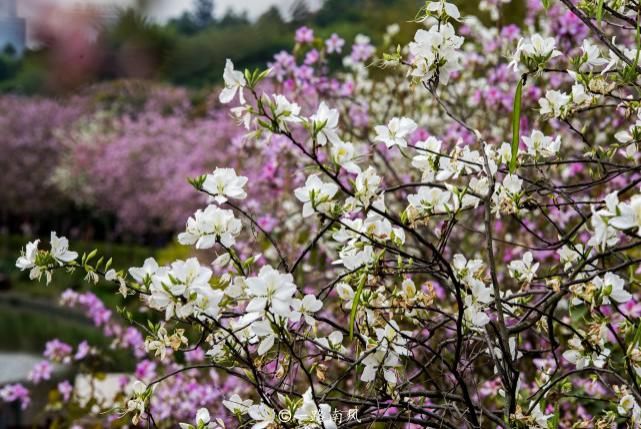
column 26, row 330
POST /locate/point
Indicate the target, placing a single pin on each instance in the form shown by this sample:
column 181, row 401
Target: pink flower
column 41, row 371
column 16, row 392
column 66, row 389
column 334, row 44
column 304, row 35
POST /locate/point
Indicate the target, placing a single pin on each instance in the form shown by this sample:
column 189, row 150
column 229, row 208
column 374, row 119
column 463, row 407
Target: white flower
column 353, row 258
column 307, row 306
column 426, row 159
column 475, row 314
column 28, row 258
column 149, row 268
column 579, row 96
column 344, row 154
column 325, row 123
column 392, row 338
column 540, row 46
column 628, row 406
column 311, row 416
column 554, row 103
column 345, row 293
column 592, row 56
column 234, row 81
column 366, row 186
column 430, row 199
column 540, row 418
column 512, row 184
column 283, row 110
column 443, row 7
column 236, row 405
column 60, row 249
column 629, row 215
column 436, row 50
column 202, row 416
column 209, row 225
column 263, row 415
column 385, row 360
column 523, row 270
column 223, row 184
column 264, row 331
column 577, row 355
column 315, row 195
column 540, row 145
column 185, row 279
column 136, row 404
column 271, row 289
column 396, row 132
column 568, row 255
column 613, row 287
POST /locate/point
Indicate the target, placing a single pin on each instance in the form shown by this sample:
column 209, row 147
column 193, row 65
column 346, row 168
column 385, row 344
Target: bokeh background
column 106, row 108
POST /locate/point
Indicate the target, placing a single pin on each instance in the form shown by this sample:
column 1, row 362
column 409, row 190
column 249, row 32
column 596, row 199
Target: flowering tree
column 464, row 247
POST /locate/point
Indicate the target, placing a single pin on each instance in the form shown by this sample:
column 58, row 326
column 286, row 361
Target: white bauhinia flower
column 263, row 331
column 538, row 144
column 569, row 255
column 325, row 124
column 27, row 260
column 60, row 249
column 315, row 195
column 629, row 407
column 579, row 95
column 149, row 268
column 307, row 307
column 384, row 360
column 224, row 184
column 524, row 270
column 435, row 52
column 629, row 215
column 283, row 110
column 345, row 293
column 592, row 56
column 271, row 290
column 234, row 82
column 581, row 358
column 427, row 157
column 430, row 200
column 237, row 405
column 612, row 287
column 512, row 184
column 211, row 225
column 366, row 187
column 540, row 46
column 554, row 103
column 396, row 132
column 343, row 154
column 184, row 279
column 263, row 416
column 540, row 418
column 475, row 313
column 309, row 415
column 443, row 7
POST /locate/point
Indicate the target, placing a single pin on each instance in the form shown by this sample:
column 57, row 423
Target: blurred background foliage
column 190, row 50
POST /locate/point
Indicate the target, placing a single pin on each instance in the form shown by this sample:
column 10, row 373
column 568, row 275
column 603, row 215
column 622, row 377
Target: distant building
column 13, row 30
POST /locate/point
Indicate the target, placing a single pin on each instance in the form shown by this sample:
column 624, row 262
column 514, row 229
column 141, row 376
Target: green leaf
column 599, row 11
column 355, row 303
column 516, row 125
column 546, row 3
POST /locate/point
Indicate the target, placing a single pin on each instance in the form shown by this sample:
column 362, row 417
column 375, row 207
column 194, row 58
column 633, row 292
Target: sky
column 162, row 10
